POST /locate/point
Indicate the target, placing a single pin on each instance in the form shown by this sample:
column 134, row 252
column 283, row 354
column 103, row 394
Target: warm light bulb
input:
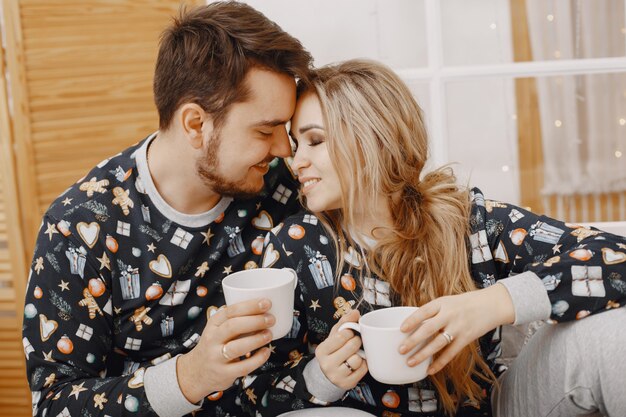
column 622, row 121
column 514, row 116
column 618, row 154
column 505, row 168
column 558, row 123
column 493, row 26
column 557, row 54
column 550, row 17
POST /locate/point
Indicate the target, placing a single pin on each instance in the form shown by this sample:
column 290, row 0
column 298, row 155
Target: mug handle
column 295, row 281
column 353, row 326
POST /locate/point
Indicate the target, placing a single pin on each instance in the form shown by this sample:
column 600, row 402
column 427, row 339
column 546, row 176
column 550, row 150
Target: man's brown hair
column 205, row 54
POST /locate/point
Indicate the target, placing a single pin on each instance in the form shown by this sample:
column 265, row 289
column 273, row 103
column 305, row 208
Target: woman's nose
column 300, row 161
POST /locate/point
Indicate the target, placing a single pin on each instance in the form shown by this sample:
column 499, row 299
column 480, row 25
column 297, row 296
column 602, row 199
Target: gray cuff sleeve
column 163, row 391
column 530, row 297
column 318, row 385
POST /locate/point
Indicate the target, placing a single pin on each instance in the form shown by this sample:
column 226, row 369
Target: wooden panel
column 80, row 77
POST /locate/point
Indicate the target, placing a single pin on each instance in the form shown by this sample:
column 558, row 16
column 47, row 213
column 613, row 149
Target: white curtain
column 583, row 118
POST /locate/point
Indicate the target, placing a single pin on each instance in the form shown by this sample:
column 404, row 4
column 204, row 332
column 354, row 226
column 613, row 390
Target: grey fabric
column 320, row 386
column 163, row 391
column 530, row 297
column 569, row 369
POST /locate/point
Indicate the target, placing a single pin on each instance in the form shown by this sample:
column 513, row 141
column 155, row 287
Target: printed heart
column 88, row 232
column 137, row 380
column 270, row 257
column 263, row 221
column 46, row 327
column 161, row 266
column 611, row 257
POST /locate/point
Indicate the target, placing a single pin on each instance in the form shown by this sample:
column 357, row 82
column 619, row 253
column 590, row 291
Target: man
column 123, row 309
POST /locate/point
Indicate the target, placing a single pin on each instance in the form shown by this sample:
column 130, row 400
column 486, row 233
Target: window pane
column 501, row 31
column 554, row 144
column 392, row 31
column 482, row 139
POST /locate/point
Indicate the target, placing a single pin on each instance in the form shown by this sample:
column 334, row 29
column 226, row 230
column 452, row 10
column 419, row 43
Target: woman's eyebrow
column 309, row 127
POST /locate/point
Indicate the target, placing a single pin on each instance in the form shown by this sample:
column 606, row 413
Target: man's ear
column 195, row 123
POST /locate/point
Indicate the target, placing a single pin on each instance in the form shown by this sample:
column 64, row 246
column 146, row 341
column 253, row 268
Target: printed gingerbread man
column 90, row 303
column 94, row 186
column 123, row 200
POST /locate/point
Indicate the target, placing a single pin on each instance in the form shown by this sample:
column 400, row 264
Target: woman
column 384, row 233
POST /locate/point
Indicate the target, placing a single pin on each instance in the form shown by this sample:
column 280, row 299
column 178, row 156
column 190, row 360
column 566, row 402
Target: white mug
column 381, row 336
column 275, row 284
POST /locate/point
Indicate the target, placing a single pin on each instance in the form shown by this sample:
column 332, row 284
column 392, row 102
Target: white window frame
column 438, row 75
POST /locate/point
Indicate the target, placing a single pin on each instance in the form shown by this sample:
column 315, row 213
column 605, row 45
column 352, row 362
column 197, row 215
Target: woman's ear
column 196, row 124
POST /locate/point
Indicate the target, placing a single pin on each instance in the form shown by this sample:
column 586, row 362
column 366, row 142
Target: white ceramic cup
column 381, row 336
column 275, row 284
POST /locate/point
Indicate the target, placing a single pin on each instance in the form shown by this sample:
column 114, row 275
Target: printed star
column 48, row 357
column 77, row 389
column 118, row 310
column 228, row 269
column 99, row 400
column 258, row 206
column 207, row 237
column 51, row 379
column 104, row 261
column 67, row 201
column 315, row 304
column 64, row 286
column 272, row 348
column 52, row 229
column 621, row 246
column 251, row 395
column 151, row 247
column 201, row 270
column 556, row 248
column 288, row 253
column 39, row 265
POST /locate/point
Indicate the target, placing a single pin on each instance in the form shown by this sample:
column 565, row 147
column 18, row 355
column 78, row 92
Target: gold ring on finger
column 348, row 366
column 225, row 354
column 448, row 336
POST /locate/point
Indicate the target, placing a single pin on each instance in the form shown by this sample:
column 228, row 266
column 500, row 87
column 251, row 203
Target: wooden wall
column 79, row 89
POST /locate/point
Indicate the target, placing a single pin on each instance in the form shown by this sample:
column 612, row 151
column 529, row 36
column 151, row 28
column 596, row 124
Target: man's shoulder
column 93, row 193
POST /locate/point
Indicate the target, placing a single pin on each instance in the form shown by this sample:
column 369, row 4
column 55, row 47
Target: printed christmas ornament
column 391, row 399
column 202, row 291
column 257, row 245
column 348, row 282
column 154, row 292
column 112, row 244
column 96, row 287
column 65, row 345
column 38, row 292
column 296, row 232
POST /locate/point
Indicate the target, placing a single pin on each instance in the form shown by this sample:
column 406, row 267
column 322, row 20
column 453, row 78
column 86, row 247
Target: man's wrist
column 188, row 381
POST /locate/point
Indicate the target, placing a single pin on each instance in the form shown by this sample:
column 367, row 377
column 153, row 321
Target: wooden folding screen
column 79, row 89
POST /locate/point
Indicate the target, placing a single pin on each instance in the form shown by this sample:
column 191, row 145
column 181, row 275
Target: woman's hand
column 454, row 322
column 337, row 355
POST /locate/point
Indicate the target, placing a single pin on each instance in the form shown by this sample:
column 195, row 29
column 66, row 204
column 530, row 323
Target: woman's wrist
column 502, row 302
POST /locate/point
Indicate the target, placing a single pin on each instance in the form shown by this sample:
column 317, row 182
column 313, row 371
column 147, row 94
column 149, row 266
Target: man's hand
column 233, row 332
column 337, row 355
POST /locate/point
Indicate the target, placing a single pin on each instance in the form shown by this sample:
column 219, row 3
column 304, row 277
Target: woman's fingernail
column 412, row 362
column 269, row 319
column 404, row 327
column 402, row 349
column 264, row 304
column 431, row 371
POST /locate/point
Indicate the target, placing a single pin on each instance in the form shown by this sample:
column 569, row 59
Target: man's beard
column 207, row 169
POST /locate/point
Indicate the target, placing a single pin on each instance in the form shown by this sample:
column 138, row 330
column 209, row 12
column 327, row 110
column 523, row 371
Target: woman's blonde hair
column 377, row 142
